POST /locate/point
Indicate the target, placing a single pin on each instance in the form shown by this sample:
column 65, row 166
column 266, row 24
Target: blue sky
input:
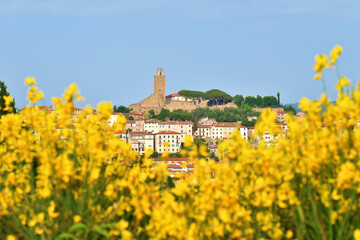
column 111, row 49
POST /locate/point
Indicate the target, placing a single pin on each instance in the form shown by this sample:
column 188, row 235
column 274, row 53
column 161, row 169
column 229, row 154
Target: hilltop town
column 144, row 129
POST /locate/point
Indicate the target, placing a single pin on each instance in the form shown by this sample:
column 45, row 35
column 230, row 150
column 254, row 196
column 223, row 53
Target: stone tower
column 159, row 84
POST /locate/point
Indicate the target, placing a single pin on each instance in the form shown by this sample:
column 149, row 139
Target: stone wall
column 188, row 106
column 221, row 107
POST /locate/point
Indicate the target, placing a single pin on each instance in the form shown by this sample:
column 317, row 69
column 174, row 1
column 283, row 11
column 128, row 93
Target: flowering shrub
column 65, row 177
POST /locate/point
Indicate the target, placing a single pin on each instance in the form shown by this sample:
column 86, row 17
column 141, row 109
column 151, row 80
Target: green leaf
column 77, row 226
column 79, row 233
column 65, row 235
column 107, row 225
column 101, row 231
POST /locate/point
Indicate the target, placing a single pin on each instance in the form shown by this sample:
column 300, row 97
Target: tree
column 152, row 113
column 217, row 97
column 4, row 92
column 164, row 113
column 131, row 118
column 250, row 100
column 290, row 109
column 121, row 109
column 269, row 101
column 238, row 99
column 278, row 99
column 192, row 94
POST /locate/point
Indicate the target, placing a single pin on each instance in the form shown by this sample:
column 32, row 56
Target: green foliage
column 290, row 109
column 258, row 101
column 121, row 109
column 238, row 100
column 4, row 92
column 278, row 99
column 269, row 101
column 151, row 114
column 192, row 94
column 217, row 97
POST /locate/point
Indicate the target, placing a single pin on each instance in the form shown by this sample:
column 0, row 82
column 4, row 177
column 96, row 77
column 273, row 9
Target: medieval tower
column 158, row 100
column 155, row 101
column 159, row 84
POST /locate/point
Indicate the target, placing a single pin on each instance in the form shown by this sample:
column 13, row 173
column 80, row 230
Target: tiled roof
column 174, row 95
column 203, row 126
column 140, row 133
column 120, row 132
column 177, row 123
column 225, row 124
column 151, row 121
column 166, row 132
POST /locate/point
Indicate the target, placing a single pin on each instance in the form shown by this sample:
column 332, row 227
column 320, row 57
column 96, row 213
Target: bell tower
column 159, row 84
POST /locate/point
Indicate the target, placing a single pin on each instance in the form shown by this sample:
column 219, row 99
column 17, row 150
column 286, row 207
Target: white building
column 203, row 131
column 140, row 141
column 218, row 131
column 177, row 97
column 171, row 137
column 151, row 126
column 183, row 127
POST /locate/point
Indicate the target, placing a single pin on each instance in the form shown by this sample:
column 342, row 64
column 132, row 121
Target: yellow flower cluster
column 68, row 177
column 322, row 61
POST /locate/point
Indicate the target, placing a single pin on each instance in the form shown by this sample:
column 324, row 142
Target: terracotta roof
column 225, row 124
column 177, row 123
column 151, row 121
column 204, row 126
column 140, row 133
column 174, row 95
column 167, row 132
column 120, row 132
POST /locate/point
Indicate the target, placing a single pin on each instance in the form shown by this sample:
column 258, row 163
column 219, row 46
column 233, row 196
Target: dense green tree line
column 226, row 115
column 121, row 109
column 218, row 97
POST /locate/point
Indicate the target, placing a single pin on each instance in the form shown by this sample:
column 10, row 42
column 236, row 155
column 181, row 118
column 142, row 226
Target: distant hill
column 294, row 105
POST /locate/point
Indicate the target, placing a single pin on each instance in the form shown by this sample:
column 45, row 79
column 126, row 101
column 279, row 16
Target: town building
column 177, row 97
column 151, row 126
column 172, row 138
column 183, row 127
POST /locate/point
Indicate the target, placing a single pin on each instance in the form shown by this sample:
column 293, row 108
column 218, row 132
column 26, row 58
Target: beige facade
column 151, row 126
column 203, row 131
column 218, row 131
column 182, row 127
column 140, row 141
column 171, row 137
